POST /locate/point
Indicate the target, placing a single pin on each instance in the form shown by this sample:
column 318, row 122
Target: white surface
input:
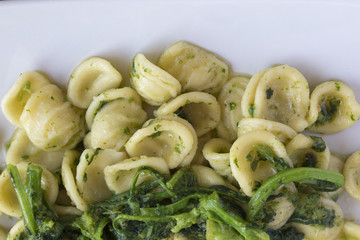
column 319, row 38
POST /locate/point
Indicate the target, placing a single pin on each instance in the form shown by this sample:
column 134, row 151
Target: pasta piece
column 352, row 175
column 91, row 77
column 51, row 122
column 155, row 85
column 16, row 230
column 248, row 164
column 66, row 210
column 351, row 231
column 199, row 158
column 278, row 210
column 308, row 151
column 199, row 108
column 333, row 108
column 119, row 176
column 118, row 114
column 216, row 151
column 8, row 200
column 320, row 232
column 169, row 137
column 230, row 103
column 195, row 68
column 22, row 149
column 283, row 132
column 280, row 94
column 207, row 177
column 68, row 172
column 90, row 178
column 15, row 99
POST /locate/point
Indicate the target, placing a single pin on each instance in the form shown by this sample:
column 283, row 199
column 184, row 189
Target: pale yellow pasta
column 318, row 232
column 66, row 210
column 199, row 158
column 230, row 103
column 333, row 108
column 154, row 85
column 247, row 174
column 21, row 149
column 16, row 230
column 216, row 151
column 351, row 230
column 8, row 200
column 68, row 172
column 303, row 152
column 113, row 117
column 169, row 137
column 283, row 132
column 119, row 176
column 90, row 78
column 13, row 102
column 90, row 178
column 52, row 123
column 194, row 67
column 199, row 108
column 352, row 175
column 280, row 94
column 207, row 177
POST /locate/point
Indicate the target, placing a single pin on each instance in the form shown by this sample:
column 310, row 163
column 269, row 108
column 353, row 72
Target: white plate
column 320, row 38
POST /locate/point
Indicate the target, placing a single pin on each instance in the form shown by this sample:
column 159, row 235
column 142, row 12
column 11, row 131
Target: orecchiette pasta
column 155, row 85
column 351, row 231
column 119, row 176
column 90, row 178
column 230, row 103
column 216, row 151
column 90, row 78
column 352, row 175
column 15, row 99
column 308, row 151
column 207, row 177
column 246, row 165
column 113, row 117
column 283, row 132
column 21, row 149
column 16, row 230
column 8, row 200
column 279, row 93
column 169, row 137
column 51, row 122
column 333, row 108
column 195, row 68
column 199, row 108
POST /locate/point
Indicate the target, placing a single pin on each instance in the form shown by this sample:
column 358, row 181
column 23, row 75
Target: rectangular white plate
column 319, row 38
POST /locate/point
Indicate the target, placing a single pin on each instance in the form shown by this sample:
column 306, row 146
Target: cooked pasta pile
column 240, row 138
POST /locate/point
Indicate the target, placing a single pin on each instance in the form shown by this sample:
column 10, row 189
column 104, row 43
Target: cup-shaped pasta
column 15, row 99
column 230, row 103
column 199, row 158
column 90, row 178
column 90, row 78
column 16, row 230
column 333, row 221
column 280, row 94
column 68, row 172
column 154, row 85
column 216, row 151
column 8, row 200
column 119, row 176
column 308, row 151
column 199, row 108
column 21, row 149
column 169, row 137
column 194, row 67
column 113, row 117
column 207, row 177
column 333, row 108
column 254, row 157
column 351, row 231
column 352, row 175
column 51, row 122
column 279, row 209
column 283, row 132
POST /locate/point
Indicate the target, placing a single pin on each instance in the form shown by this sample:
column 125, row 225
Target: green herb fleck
column 319, row 144
column 26, row 88
column 269, row 93
column 156, row 134
column 126, row 130
column 352, row 117
column 24, row 157
column 232, row 106
column 337, row 86
column 252, row 110
column 177, row 148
